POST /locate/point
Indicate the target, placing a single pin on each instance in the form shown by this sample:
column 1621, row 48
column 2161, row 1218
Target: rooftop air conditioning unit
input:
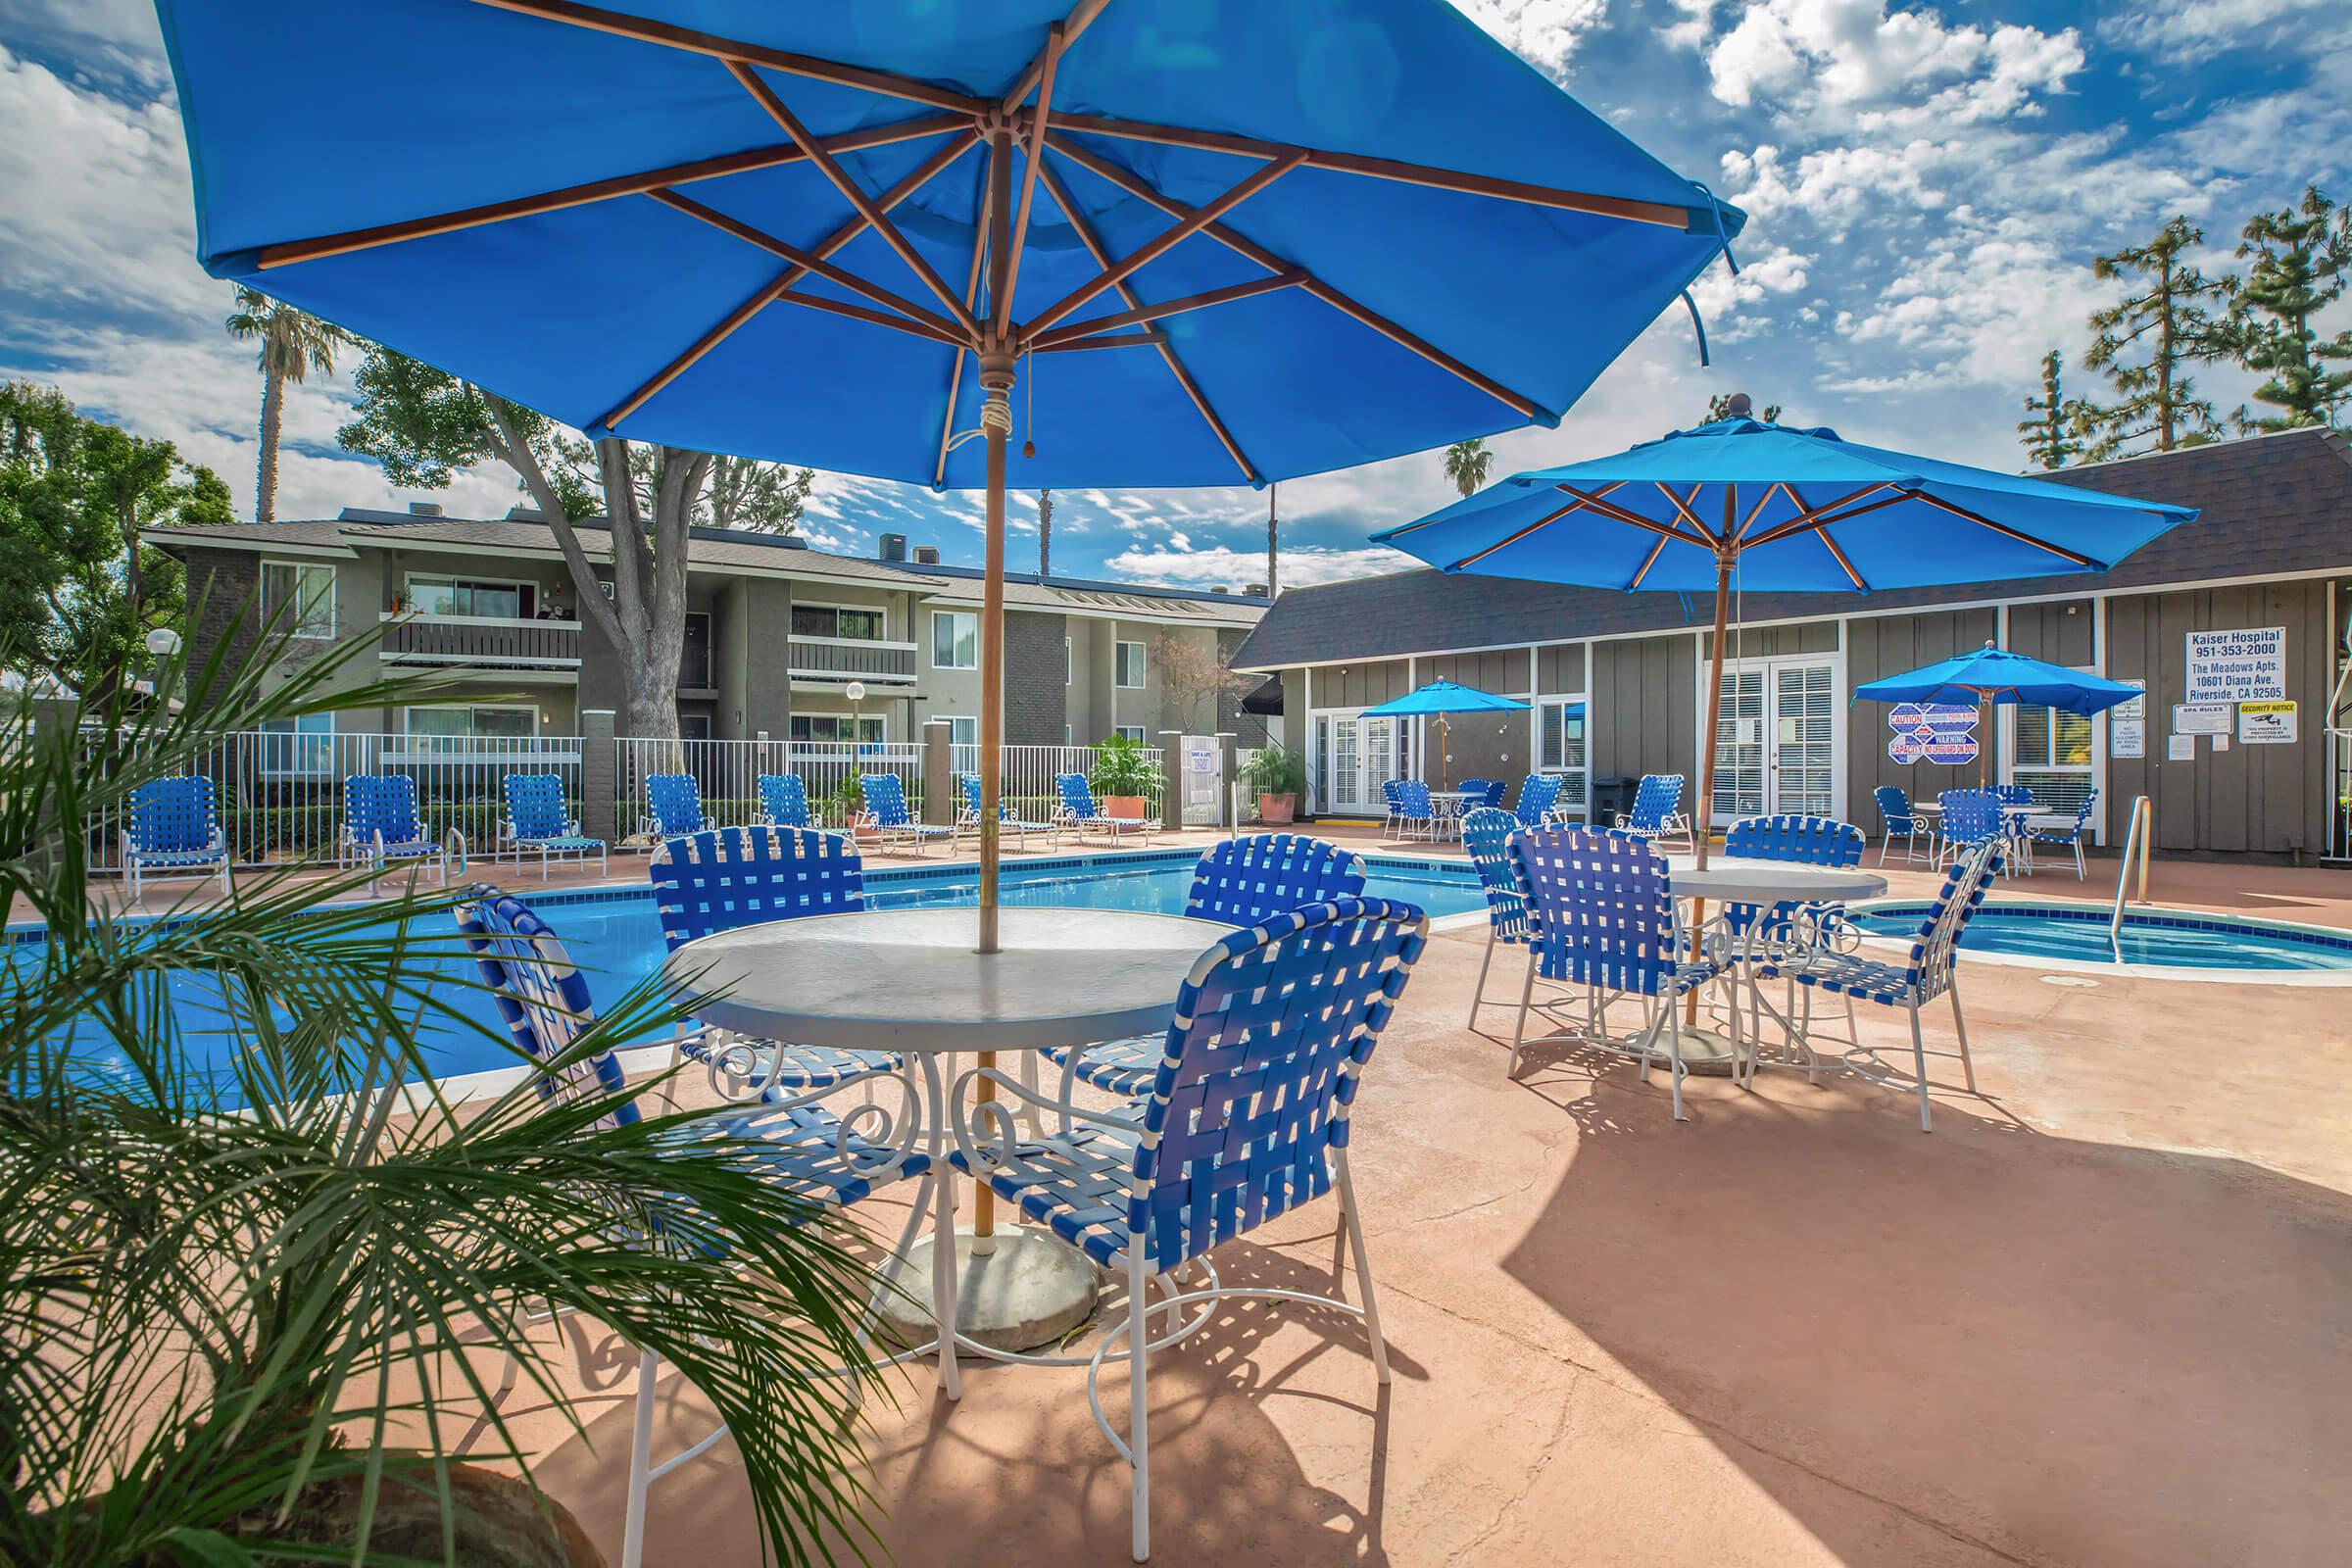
column 926, row 554
column 893, row 547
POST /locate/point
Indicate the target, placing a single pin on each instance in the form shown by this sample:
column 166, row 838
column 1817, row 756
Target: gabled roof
column 2269, row 506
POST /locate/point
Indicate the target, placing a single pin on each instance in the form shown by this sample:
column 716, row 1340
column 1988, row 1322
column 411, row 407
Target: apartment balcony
column 821, row 664
column 510, row 645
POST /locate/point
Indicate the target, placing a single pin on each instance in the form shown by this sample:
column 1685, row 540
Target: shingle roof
column 2269, row 506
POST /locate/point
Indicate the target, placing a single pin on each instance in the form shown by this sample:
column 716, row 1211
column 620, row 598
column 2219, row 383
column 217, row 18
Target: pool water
column 2165, row 941
column 615, row 939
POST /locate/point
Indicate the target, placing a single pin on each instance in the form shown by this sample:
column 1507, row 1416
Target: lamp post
column 162, row 645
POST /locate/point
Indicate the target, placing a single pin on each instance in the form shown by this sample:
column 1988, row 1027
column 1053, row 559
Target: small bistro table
column 1731, row 879
column 909, row 981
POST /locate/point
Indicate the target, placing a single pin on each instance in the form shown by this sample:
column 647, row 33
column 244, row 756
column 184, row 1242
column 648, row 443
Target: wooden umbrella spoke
column 1106, row 340
column 1001, row 305
column 1082, row 16
column 1609, row 509
column 972, row 293
column 1657, row 548
column 1066, row 336
column 859, row 312
column 808, row 262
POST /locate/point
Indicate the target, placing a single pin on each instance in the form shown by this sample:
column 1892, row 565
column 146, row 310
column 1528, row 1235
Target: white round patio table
column 910, row 981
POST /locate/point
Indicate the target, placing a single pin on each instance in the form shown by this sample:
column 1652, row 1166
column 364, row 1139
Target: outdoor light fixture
column 163, row 642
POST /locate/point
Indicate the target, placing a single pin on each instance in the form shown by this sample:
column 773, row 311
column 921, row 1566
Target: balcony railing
column 847, row 658
column 412, row 637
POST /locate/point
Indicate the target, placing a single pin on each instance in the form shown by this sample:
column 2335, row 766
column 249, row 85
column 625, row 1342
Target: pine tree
column 2301, row 257
column 2169, row 320
column 2052, row 435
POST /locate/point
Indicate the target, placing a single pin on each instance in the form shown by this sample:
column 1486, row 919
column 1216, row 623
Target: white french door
column 1353, row 757
column 1781, row 739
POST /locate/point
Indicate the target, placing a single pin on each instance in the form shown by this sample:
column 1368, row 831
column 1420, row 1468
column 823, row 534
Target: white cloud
column 1303, row 566
column 1542, row 32
column 1857, row 60
column 2186, row 32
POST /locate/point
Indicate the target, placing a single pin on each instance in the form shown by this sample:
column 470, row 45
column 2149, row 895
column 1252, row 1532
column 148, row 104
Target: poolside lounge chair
column 1538, row 800
column 802, row 1148
column 539, row 817
column 1388, row 795
column 967, row 817
column 174, row 832
column 893, row 822
column 1658, row 812
column 1246, row 1119
column 673, row 805
column 1080, row 812
column 1416, row 813
column 380, row 826
column 783, row 801
column 718, row 879
column 1486, row 835
column 2069, row 837
column 1895, row 808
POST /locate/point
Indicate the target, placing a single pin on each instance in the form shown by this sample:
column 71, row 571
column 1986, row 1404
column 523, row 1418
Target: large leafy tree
column 2053, row 430
column 1467, row 462
column 78, row 591
column 2300, row 261
column 293, row 343
column 742, row 493
column 2169, row 318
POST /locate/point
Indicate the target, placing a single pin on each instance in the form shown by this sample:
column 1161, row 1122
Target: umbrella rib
column 783, row 281
column 937, row 323
column 1363, row 315
column 1166, row 239
column 1661, row 213
column 1826, row 514
column 1504, row 543
column 1763, row 500
column 1037, row 121
column 853, row 193
column 1167, row 353
column 1106, row 340
column 2007, row 532
column 1061, row 336
column 1609, row 509
column 736, row 51
column 1843, row 564
column 1682, row 504
column 971, row 292
column 593, row 191
column 859, row 312
column 1082, row 16
column 1656, row 549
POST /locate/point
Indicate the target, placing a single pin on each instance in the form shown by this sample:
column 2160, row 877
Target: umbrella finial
column 1737, row 405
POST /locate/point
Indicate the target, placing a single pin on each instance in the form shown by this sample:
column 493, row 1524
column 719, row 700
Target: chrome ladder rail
column 2135, row 838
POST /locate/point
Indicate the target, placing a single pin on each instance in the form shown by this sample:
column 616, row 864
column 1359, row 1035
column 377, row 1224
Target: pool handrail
column 2143, row 817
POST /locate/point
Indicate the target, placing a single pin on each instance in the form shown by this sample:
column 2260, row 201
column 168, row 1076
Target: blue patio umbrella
column 1992, row 675
column 1785, row 509
column 1440, row 697
column 1214, row 243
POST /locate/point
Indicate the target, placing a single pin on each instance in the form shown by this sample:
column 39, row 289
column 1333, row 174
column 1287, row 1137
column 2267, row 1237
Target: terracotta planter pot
column 1128, row 808
column 1278, row 807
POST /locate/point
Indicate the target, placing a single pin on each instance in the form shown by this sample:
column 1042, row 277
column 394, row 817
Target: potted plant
column 1122, row 778
column 1278, row 775
column 847, row 805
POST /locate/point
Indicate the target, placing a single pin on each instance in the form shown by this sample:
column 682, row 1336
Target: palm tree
column 294, row 343
column 1467, row 462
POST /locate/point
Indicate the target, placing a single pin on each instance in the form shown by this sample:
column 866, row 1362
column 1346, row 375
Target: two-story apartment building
column 781, row 641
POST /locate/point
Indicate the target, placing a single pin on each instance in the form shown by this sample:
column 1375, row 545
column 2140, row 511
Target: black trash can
column 1613, row 793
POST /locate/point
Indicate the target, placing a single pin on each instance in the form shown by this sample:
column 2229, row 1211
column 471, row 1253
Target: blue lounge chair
column 1658, row 812
column 2069, row 837
column 783, row 801
column 1538, row 800
column 1487, row 836
column 1246, row 1119
column 1970, row 818
column 539, row 817
column 1080, row 812
column 381, row 826
column 718, row 879
column 1895, row 808
column 1388, row 795
column 886, row 809
column 1494, row 791
column 673, row 805
column 967, row 817
column 1759, row 935
column 174, row 832
column 1416, row 815
column 2021, row 832
column 799, row 1145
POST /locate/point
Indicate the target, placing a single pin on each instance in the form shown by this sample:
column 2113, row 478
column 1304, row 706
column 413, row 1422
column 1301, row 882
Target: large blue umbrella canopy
column 1442, row 697
column 1993, row 674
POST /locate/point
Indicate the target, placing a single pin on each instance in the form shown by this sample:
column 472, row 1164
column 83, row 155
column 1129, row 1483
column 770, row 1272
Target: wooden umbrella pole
column 1705, row 805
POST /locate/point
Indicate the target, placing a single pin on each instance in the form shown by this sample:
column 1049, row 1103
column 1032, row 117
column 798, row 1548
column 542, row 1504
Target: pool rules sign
column 2245, row 665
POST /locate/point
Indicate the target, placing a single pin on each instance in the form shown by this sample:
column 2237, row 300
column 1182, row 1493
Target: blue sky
column 1926, row 187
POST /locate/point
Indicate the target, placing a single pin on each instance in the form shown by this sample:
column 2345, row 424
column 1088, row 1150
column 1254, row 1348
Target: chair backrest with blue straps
column 1493, row 795
column 718, row 879
column 1537, row 796
column 674, row 802
column 970, row 783
column 1242, row 881
column 785, row 800
column 1896, row 807
column 536, row 807
column 1799, row 840
column 1599, row 909
column 1970, row 816
column 1077, row 797
column 885, row 799
column 1389, row 788
column 1412, row 801
column 172, row 815
column 1936, row 944
column 2013, row 794
column 381, row 803
column 1272, row 1030
column 542, row 997
column 1487, row 836
column 1659, row 797
column 1474, row 791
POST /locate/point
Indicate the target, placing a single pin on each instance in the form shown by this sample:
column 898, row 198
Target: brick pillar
column 1172, row 779
column 941, row 796
column 599, row 774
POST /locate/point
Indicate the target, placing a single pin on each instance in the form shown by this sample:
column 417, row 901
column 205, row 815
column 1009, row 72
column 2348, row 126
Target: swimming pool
column 2076, row 936
column 615, row 939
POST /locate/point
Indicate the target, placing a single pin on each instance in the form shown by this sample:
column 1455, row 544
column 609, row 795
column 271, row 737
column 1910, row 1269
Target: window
column 955, row 639
column 960, row 731
column 1129, row 671
column 302, row 746
column 837, row 620
column 1069, row 662
column 835, row 728
column 1132, row 732
column 309, row 588
column 470, row 596
column 694, row 652
column 479, row 721
column 2052, row 755
column 1560, row 746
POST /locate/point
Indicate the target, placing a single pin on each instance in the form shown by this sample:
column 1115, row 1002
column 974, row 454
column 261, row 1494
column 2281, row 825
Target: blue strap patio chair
column 2019, row 828
column 783, row 801
column 967, row 817
column 1247, row 1118
column 2070, row 836
column 1416, row 814
column 1600, row 914
column 382, row 825
column 1757, row 935
column 1970, row 817
column 719, row 879
column 1901, row 822
column 1486, row 836
column 1079, row 810
column 174, row 833
column 893, row 823
column 673, row 805
column 539, row 816
column 801, row 1146
column 1930, row 971
column 1658, row 811
column 1389, row 788
column 1494, row 791
column 1539, row 798
column 1239, row 882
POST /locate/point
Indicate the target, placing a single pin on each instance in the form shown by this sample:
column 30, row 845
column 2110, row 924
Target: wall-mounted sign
column 2127, row 725
column 1931, row 732
column 2181, row 749
column 2266, row 724
column 2248, row 664
column 2203, row 719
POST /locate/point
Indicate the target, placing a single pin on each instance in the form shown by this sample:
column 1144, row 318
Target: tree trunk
column 273, row 414
column 2164, row 361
